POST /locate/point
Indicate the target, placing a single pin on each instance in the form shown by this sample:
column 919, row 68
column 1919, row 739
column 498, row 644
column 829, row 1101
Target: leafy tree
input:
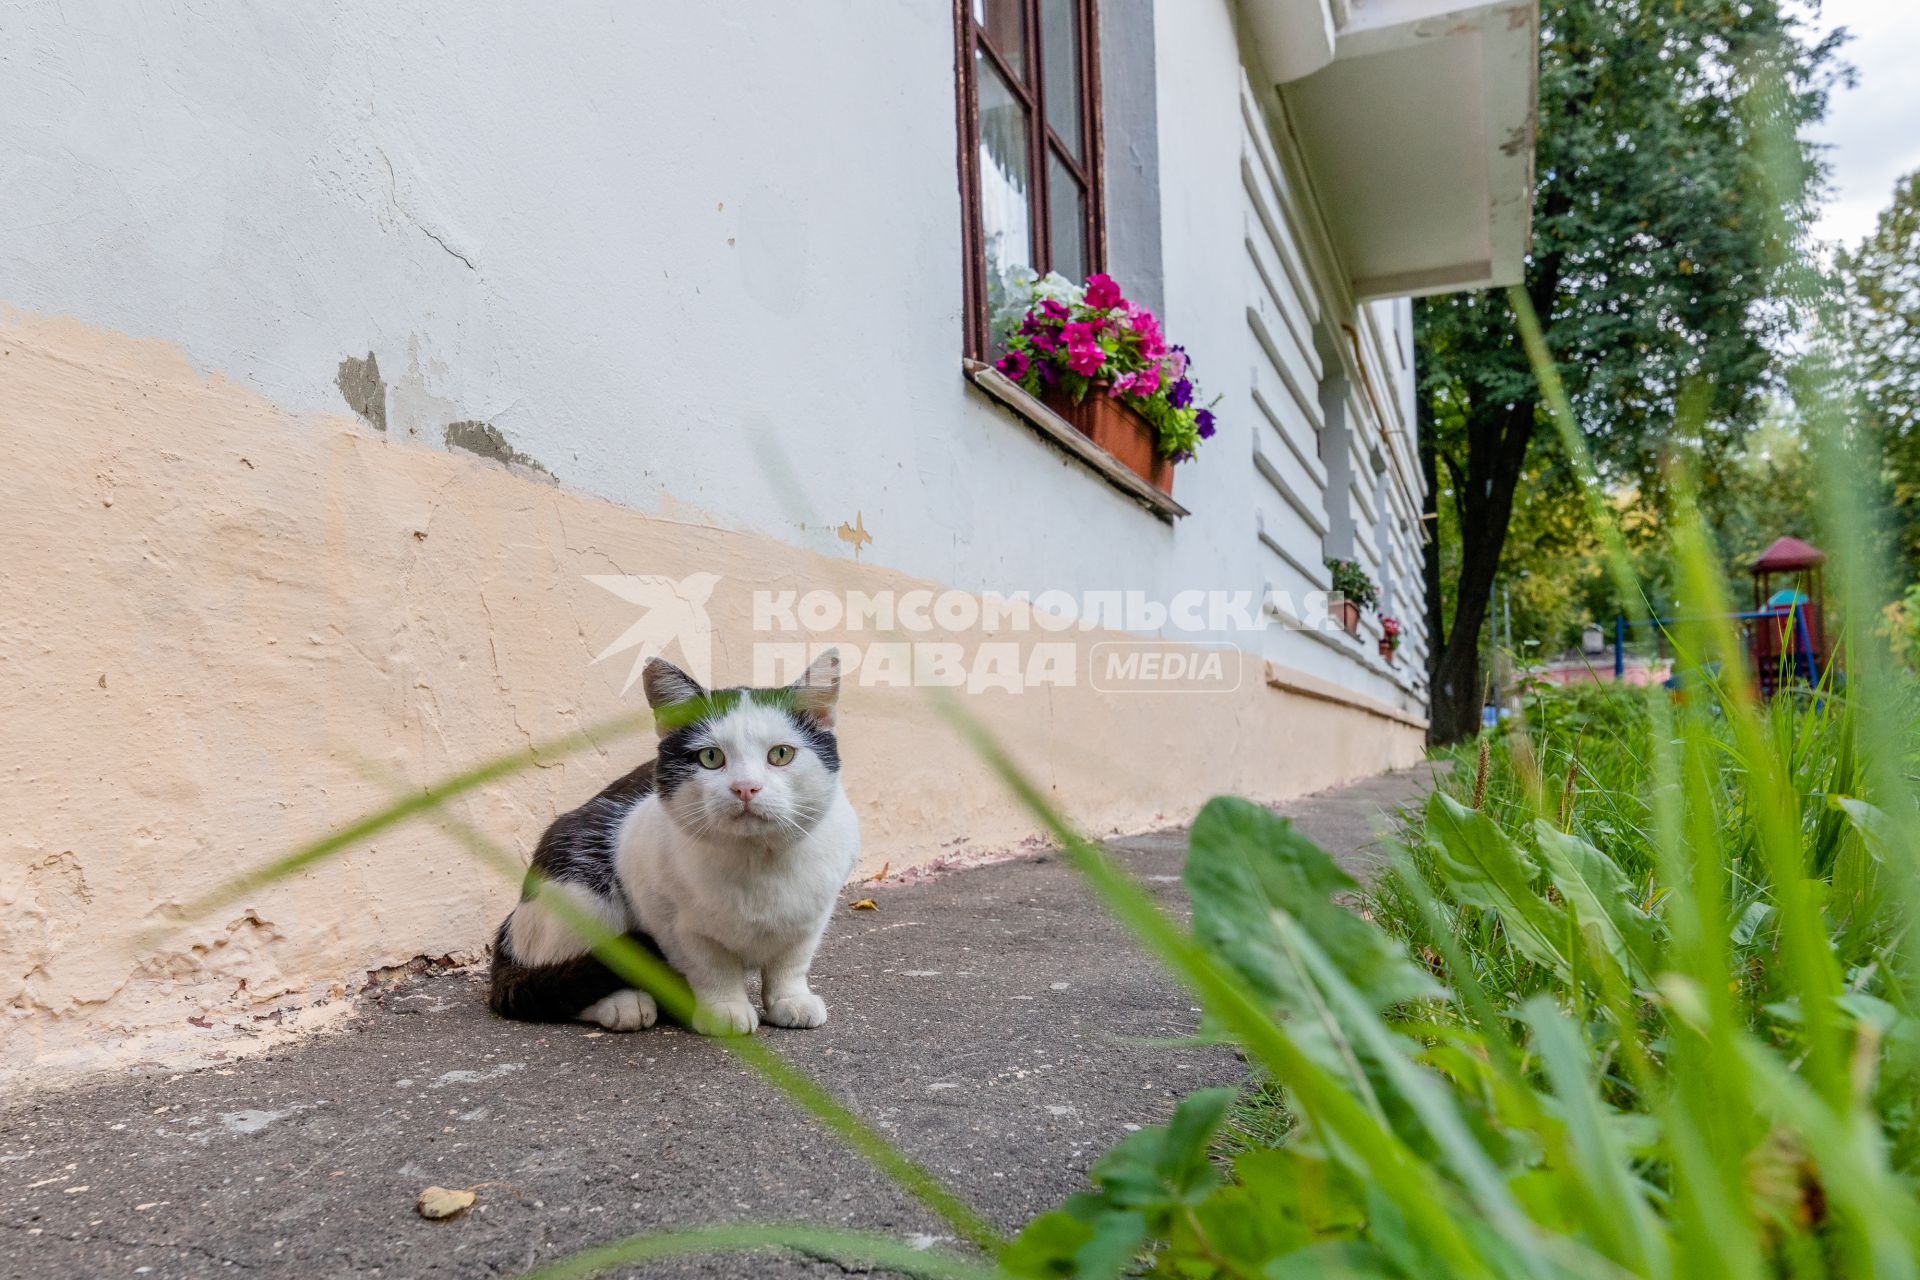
column 1764, row 490
column 1882, row 281
column 1652, row 269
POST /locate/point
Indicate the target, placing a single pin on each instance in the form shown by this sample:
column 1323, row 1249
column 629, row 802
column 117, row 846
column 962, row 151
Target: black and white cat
column 724, row 855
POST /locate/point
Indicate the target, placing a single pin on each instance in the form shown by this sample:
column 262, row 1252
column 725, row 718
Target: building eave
column 1417, row 120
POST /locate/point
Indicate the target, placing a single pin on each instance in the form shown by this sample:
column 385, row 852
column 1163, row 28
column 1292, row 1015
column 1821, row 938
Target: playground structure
column 1785, row 631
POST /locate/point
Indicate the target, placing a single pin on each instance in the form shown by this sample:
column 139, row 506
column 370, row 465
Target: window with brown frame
column 1029, row 149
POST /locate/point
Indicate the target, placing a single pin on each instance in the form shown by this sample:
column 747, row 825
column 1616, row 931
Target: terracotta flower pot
column 1118, row 429
column 1387, row 650
column 1348, row 612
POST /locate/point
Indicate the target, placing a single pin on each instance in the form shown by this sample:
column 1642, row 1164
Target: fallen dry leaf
column 866, row 904
column 881, row 874
column 438, row 1202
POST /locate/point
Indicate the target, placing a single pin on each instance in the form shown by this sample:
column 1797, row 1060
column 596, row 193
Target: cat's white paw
column 725, row 1018
column 627, row 1010
column 803, row 1010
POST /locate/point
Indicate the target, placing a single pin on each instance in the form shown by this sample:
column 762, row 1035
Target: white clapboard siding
column 1306, row 330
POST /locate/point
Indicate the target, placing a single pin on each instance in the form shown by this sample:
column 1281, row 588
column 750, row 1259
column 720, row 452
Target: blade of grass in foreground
column 412, row 806
column 842, row 1248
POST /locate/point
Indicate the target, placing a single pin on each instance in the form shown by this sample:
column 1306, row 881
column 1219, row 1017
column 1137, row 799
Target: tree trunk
column 1497, row 454
column 1430, row 547
column 1455, row 697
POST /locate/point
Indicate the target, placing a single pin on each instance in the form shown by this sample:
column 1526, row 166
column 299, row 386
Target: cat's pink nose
column 746, row 791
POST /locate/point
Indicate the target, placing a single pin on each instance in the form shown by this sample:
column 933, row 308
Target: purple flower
column 1181, row 455
column 1014, row 364
column 1051, row 308
column 1205, row 419
column 1048, row 374
column 1180, row 395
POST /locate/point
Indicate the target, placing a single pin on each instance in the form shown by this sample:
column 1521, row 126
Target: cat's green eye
column 780, row 754
column 711, row 757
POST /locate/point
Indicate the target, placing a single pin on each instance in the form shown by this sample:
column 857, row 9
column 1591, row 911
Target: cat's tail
column 550, row 992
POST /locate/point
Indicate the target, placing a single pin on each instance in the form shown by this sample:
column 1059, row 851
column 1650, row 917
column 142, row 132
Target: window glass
column 1029, row 165
column 1060, row 71
column 1005, row 22
column 1006, row 183
column 1066, row 220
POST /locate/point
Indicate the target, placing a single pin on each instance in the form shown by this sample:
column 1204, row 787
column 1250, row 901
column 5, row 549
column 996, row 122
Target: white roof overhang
column 1416, row 118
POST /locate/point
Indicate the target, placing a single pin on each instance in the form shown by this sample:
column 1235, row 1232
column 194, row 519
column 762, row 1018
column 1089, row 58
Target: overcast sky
column 1872, row 129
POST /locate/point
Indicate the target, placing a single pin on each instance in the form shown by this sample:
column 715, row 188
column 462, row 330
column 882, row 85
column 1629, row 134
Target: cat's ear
column 817, row 691
column 667, row 686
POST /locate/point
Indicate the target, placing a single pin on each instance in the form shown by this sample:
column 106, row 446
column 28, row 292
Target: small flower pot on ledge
column 1122, row 432
column 1347, row 612
column 1387, row 650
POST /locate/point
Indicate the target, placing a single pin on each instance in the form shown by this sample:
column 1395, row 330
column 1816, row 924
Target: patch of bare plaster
column 366, row 394
column 484, row 439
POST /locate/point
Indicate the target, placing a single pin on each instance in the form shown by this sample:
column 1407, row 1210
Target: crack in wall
column 393, row 198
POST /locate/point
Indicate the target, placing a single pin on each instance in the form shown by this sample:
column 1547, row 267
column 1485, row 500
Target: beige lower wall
column 225, row 628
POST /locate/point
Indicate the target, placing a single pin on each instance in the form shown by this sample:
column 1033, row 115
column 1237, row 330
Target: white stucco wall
column 670, row 252
column 693, row 258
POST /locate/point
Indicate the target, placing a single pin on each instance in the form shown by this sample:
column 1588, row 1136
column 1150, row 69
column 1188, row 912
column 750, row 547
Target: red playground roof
column 1789, row 553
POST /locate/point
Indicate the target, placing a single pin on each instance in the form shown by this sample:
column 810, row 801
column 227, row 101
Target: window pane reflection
column 1006, row 185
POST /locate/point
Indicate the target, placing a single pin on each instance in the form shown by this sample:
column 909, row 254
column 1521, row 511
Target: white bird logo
column 676, row 613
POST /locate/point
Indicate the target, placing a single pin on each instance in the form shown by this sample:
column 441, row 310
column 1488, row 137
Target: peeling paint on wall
column 485, row 439
column 359, row 381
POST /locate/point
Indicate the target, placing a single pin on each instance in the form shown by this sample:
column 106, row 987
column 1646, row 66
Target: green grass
column 1634, row 1030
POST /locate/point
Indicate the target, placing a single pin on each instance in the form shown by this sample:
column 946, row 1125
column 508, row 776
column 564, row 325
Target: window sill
column 1060, row 432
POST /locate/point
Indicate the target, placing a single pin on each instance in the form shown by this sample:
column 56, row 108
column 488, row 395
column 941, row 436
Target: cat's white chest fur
column 758, row 903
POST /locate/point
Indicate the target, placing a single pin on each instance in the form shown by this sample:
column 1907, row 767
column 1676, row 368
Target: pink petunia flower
column 1078, row 334
column 1102, row 293
column 1085, row 359
column 1121, row 385
column 1147, row 381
